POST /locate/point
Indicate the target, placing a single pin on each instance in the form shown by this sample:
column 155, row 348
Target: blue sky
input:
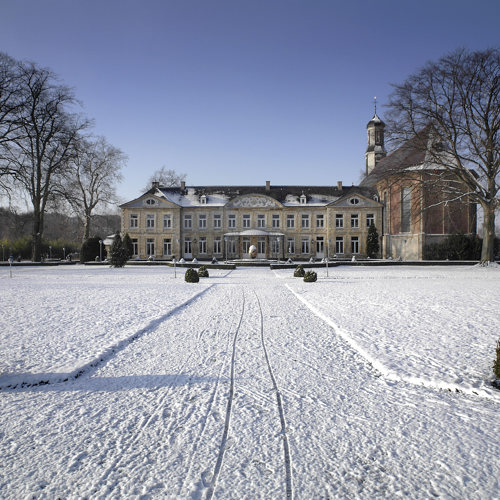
column 239, row 92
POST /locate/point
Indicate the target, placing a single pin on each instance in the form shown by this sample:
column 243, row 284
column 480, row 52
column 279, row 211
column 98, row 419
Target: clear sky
column 239, row 92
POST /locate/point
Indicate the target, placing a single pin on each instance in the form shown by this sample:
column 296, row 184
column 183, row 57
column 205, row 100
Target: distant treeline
column 61, row 232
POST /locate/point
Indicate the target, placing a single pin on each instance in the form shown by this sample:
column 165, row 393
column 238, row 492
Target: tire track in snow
column 227, row 423
column 182, row 493
column 279, row 400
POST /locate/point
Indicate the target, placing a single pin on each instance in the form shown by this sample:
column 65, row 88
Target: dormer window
column 203, row 199
column 303, row 199
column 150, row 201
column 354, row 201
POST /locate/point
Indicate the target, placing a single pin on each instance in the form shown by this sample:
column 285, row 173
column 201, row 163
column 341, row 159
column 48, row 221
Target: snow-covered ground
column 370, row 383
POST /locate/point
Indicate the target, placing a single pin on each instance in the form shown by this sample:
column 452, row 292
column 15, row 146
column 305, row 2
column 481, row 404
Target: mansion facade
column 224, row 222
column 300, row 222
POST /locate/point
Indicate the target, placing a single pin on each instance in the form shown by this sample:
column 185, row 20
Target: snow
column 371, row 383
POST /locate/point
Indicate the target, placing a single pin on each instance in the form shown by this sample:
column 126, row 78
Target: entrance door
column 188, row 253
column 261, row 248
column 320, row 247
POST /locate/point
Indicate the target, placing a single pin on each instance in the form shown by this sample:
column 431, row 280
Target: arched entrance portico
column 269, row 244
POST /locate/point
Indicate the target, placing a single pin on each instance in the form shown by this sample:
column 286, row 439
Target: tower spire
column 376, row 148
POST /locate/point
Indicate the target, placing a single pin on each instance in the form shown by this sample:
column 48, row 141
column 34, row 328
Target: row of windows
column 231, row 246
column 246, row 221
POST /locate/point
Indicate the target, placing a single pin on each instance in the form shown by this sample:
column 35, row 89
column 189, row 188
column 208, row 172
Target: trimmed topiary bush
column 496, row 364
column 119, row 254
column 299, row 272
column 191, row 276
column 310, row 277
column 203, row 272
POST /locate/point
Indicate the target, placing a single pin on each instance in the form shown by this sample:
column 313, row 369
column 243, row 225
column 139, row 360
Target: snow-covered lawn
column 370, row 383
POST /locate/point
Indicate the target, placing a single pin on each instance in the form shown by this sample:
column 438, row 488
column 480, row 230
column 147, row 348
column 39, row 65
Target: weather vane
column 375, row 103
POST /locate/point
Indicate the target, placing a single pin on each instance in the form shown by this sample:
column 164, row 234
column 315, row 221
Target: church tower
column 376, row 149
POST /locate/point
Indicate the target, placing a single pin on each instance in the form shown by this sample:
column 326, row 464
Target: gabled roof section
column 357, row 200
column 153, row 199
column 411, row 155
column 253, row 201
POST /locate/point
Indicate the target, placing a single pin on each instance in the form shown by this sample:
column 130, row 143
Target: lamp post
column 64, row 253
column 100, row 250
column 50, row 251
column 179, row 245
column 3, row 252
column 175, row 268
column 327, row 255
column 225, row 249
column 278, row 248
column 11, row 260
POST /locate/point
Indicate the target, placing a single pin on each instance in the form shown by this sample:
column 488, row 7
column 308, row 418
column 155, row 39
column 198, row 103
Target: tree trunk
column 86, row 227
column 487, row 251
column 36, row 245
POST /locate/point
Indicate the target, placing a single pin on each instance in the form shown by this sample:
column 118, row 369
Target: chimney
column 339, row 185
column 183, row 185
column 268, row 185
column 155, row 184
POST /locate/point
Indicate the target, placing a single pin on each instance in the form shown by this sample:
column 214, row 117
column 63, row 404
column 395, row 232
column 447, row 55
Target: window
column 275, row 245
column 231, row 246
column 150, row 247
column 202, row 245
column 320, row 221
column 290, row 245
column 354, row 220
column 231, row 221
column 217, row 246
column 187, row 246
column 339, row 221
column 217, row 221
column 134, row 220
column 290, row 221
column 135, row 246
column 261, row 246
column 305, row 245
column 261, row 220
column 150, row 221
column 339, row 244
column 246, row 220
column 320, row 244
column 246, row 245
column 370, row 219
column 354, row 244
column 202, row 222
column 405, row 209
column 167, row 222
column 150, row 202
column 167, row 246
column 305, row 222
column 354, row 201
column 203, row 199
column 303, row 199
column 188, row 222
column 276, row 220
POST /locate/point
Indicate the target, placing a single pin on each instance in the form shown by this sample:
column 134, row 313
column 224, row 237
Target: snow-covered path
column 244, row 392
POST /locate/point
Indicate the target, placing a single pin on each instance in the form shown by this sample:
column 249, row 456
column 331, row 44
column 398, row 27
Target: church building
column 298, row 222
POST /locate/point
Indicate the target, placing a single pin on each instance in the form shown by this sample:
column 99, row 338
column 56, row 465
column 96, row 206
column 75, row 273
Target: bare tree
column 92, row 181
column 11, row 100
column 166, row 178
column 458, row 96
column 44, row 141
